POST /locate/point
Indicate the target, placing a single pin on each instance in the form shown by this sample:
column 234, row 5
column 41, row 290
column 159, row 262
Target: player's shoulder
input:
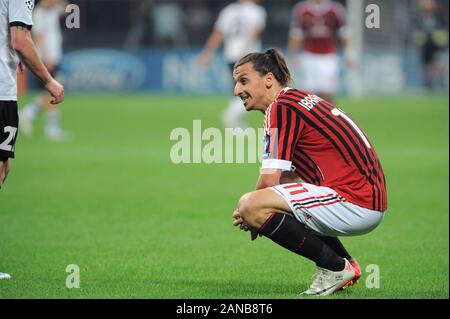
column 39, row 9
column 251, row 8
column 284, row 98
column 229, row 9
column 28, row 5
column 301, row 6
column 290, row 94
column 337, row 8
column 292, row 99
column 260, row 9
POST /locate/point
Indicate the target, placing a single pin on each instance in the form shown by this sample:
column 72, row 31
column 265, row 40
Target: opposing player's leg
column 53, row 128
column 233, row 116
column 4, row 275
column 28, row 114
column 270, row 215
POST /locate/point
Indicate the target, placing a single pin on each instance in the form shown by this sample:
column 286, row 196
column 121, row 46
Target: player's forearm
column 294, row 46
column 256, row 34
column 345, row 43
column 213, row 42
column 24, row 46
column 349, row 52
column 267, row 180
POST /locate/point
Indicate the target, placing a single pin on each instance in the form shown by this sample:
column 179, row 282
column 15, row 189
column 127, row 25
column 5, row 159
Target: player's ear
column 268, row 79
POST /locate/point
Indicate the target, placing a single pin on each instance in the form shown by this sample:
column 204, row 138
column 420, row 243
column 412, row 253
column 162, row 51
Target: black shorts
column 9, row 123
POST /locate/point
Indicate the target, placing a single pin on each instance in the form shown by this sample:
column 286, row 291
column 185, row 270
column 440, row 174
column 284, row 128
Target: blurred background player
column 315, row 27
column 17, row 46
column 239, row 27
column 48, row 38
column 431, row 38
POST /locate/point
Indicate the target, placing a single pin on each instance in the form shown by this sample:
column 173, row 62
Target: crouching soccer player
column 320, row 176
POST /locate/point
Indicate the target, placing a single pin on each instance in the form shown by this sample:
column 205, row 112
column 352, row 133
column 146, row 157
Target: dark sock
column 289, row 233
column 335, row 244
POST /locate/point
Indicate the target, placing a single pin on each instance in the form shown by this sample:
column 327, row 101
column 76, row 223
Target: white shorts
column 326, row 212
column 319, row 73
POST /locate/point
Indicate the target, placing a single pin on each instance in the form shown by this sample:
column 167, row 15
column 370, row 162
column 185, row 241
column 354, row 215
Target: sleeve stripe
column 276, row 164
column 19, row 24
column 296, row 123
column 287, row 142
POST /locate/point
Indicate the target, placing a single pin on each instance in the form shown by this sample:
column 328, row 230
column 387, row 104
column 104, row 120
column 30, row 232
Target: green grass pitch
column 138, row 226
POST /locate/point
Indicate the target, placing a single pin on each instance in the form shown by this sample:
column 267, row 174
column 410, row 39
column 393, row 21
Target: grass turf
column 138, row 226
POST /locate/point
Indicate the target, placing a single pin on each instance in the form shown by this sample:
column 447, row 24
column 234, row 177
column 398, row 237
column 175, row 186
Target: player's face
column 250, row 87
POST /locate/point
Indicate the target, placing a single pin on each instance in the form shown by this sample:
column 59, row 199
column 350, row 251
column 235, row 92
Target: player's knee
column 248, row 207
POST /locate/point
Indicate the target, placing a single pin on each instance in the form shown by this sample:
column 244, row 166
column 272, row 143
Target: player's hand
column 238, row 221
column 56, row 90
column 22, row 68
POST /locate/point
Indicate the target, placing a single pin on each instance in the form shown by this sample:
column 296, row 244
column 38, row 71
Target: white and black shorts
column 326, row 212
column 9, row 122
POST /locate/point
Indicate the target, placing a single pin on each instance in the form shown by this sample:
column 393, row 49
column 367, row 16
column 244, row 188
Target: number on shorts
column 5, row 146
column 297, row 188
column 337, row 112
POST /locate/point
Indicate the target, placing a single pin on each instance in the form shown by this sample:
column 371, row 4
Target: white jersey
column 238, row 22
column 47, row 32
column 11, row 12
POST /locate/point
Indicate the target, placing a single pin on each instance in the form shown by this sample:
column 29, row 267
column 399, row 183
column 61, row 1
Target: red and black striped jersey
column 324, row 146
column 318, row 25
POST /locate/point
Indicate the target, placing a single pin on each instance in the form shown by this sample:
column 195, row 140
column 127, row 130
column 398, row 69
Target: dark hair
column 270, row 61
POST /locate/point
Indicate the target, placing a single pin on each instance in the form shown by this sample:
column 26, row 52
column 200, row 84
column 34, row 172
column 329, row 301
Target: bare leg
column 5, row 167
column 256, row 207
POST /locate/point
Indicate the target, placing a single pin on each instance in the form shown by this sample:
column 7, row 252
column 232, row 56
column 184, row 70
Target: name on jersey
column 309, row 101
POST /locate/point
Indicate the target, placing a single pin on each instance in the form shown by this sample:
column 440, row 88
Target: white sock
column 31, row 110
column 53, row 117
